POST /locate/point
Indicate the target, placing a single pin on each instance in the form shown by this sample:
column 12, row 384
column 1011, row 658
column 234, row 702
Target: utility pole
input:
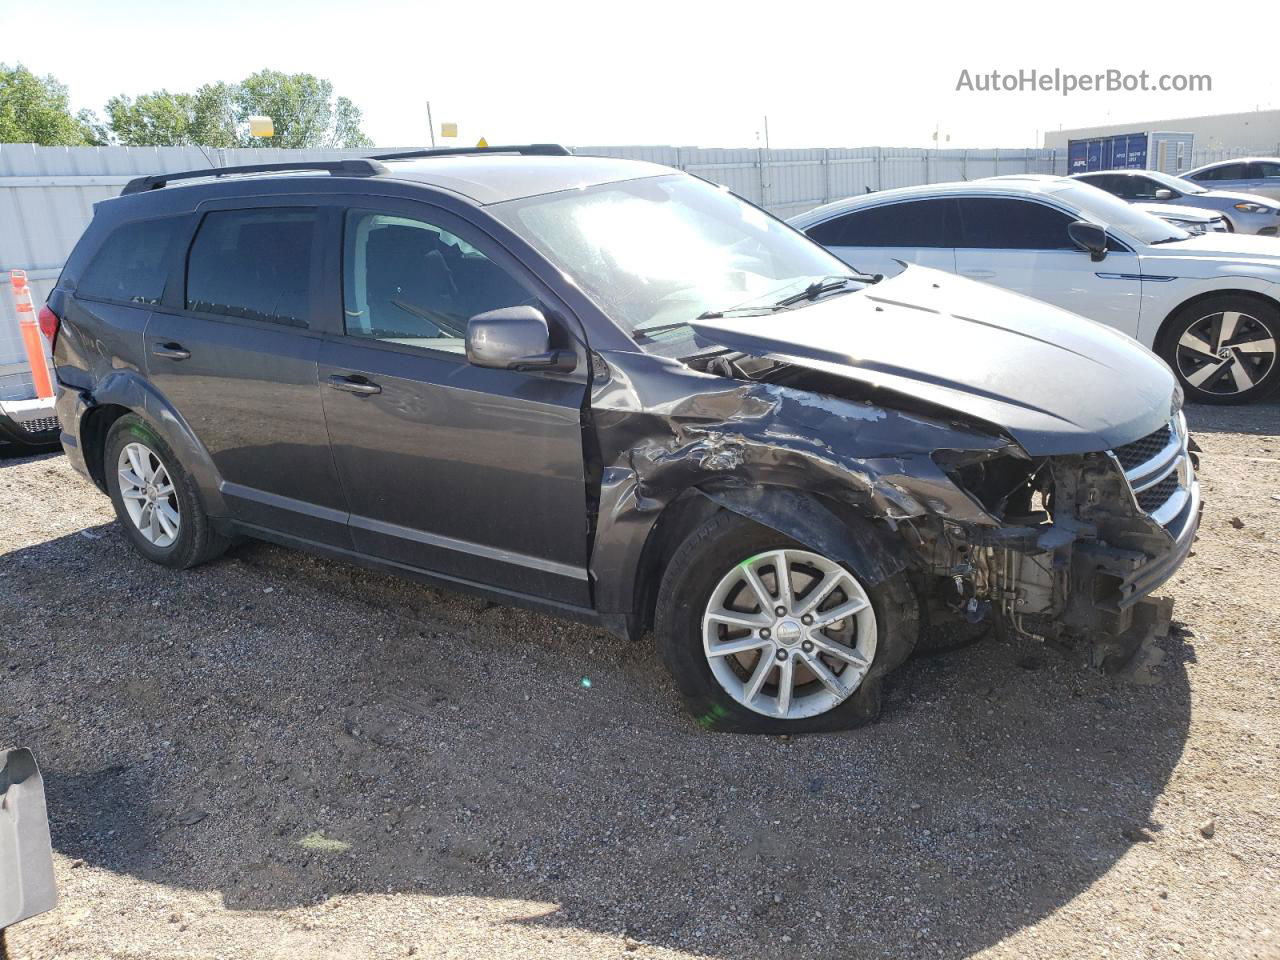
column 431, row 127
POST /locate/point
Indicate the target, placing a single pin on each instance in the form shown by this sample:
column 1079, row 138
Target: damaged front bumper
column 1114, row 527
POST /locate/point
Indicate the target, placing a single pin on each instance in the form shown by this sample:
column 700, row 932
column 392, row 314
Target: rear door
column 1263, row 178
column 1225, row 176
column 873, row 239
column 1022, row 245
column 235, row 348
column 467, row 472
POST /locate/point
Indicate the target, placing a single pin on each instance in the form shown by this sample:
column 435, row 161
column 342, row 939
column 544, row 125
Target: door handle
column 979, row 274
column 171, row 351
column 360, row 387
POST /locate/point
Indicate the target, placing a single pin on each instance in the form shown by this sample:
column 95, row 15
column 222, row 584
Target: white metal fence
column 47, row 193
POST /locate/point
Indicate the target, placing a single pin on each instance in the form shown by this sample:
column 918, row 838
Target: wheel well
column 679, row 519
column 93, row 438
column 1262, row 298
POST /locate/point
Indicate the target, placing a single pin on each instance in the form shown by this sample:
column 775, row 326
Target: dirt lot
column 278, row 756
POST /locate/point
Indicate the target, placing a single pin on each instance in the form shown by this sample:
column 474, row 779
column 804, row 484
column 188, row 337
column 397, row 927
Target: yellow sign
column 483, row 142
column 448, row 129
column 261, row 127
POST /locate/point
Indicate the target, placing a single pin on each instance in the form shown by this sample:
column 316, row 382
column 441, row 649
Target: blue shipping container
column 1125, row 150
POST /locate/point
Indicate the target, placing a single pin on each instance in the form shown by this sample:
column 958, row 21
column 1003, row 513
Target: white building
column 1226, row 134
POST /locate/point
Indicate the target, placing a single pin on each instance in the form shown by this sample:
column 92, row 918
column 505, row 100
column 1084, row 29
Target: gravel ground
column 279, row 756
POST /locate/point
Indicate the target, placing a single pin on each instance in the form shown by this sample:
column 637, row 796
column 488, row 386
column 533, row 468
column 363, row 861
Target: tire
column 1213, row 368
column 188, row 542
column 717, row 552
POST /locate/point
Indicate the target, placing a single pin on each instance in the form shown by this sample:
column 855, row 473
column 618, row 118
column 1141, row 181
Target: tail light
column 48, row 321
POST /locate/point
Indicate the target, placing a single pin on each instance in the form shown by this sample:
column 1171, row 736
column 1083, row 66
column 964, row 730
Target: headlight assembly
column 1246, row 206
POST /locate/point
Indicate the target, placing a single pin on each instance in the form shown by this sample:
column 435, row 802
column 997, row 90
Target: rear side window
column 1003, row 223
column 1228, row 171
column 253, row 264
column 132, row 264
column 915, row 223
column 1103, row 181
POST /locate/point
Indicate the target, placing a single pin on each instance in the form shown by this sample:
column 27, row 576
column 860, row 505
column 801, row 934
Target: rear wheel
column 763, row 635
column 1223, row 349
column 155, row 499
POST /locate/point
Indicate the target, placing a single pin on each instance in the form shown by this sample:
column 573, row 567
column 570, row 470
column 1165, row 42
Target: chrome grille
column 1158, row 469
column 1153, row 498
column 1140, row 451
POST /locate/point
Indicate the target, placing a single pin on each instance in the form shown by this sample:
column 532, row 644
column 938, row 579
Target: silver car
column 1191, row 219
column 1245, row 213
column 1259, row 175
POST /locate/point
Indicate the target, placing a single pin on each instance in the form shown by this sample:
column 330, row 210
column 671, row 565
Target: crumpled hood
column 1054, row 381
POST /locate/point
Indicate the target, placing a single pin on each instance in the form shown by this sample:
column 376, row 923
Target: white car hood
column 1213, row 255
column 1236, row 197
column 1165, row 210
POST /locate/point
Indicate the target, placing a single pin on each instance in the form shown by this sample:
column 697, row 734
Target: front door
column 236, row 353
column 1023, row 245
column 467, row 472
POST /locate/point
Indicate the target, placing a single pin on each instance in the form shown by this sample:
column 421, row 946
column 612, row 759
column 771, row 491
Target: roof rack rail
column 359, row 167
column 524, row 149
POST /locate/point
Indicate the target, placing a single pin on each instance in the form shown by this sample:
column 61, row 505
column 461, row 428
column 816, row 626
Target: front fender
column 807, row 520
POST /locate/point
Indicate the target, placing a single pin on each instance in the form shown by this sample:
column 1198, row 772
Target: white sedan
column 1209, row 305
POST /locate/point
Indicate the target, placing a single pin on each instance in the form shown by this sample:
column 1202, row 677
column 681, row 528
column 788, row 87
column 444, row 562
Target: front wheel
column 763, row 635
column 1223, row 349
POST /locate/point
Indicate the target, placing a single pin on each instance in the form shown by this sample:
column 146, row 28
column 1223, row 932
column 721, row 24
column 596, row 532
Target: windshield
column 1110, row 211
column 1174, row 183
column 660, row 251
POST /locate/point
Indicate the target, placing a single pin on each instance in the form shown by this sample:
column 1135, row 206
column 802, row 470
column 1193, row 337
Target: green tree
column 303, row 111
column 302, row 107
column 35, row 110
column 163, row 119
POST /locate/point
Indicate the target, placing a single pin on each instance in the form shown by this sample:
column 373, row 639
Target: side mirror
column 1164, row 194
column 515, row 338
column 1089, row 237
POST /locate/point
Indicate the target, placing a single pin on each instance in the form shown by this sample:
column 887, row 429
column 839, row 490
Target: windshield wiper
column 648, row 332
column 811, row 292
column 816, row 289
column 1167, row 240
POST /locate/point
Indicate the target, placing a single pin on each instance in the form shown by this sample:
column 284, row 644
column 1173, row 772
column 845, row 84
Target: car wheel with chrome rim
column 1224, row 349
column 156, row 501
column 763, row 634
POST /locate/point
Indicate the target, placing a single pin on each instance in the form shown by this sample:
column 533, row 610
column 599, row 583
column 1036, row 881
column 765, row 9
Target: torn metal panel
column 664, row 428
column 1052, row 545
column 26, row 854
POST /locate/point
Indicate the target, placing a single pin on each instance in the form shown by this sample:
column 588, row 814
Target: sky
column 688, row 73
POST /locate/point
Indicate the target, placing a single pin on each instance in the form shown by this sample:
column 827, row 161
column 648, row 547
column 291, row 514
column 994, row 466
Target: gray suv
column 618, row 392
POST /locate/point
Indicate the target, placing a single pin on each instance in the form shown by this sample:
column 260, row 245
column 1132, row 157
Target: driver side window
column 410, row 282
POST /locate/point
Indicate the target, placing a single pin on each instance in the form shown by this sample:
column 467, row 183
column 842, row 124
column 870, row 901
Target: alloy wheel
column 1226, row 353
column 148, row 494
column 789, row 634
